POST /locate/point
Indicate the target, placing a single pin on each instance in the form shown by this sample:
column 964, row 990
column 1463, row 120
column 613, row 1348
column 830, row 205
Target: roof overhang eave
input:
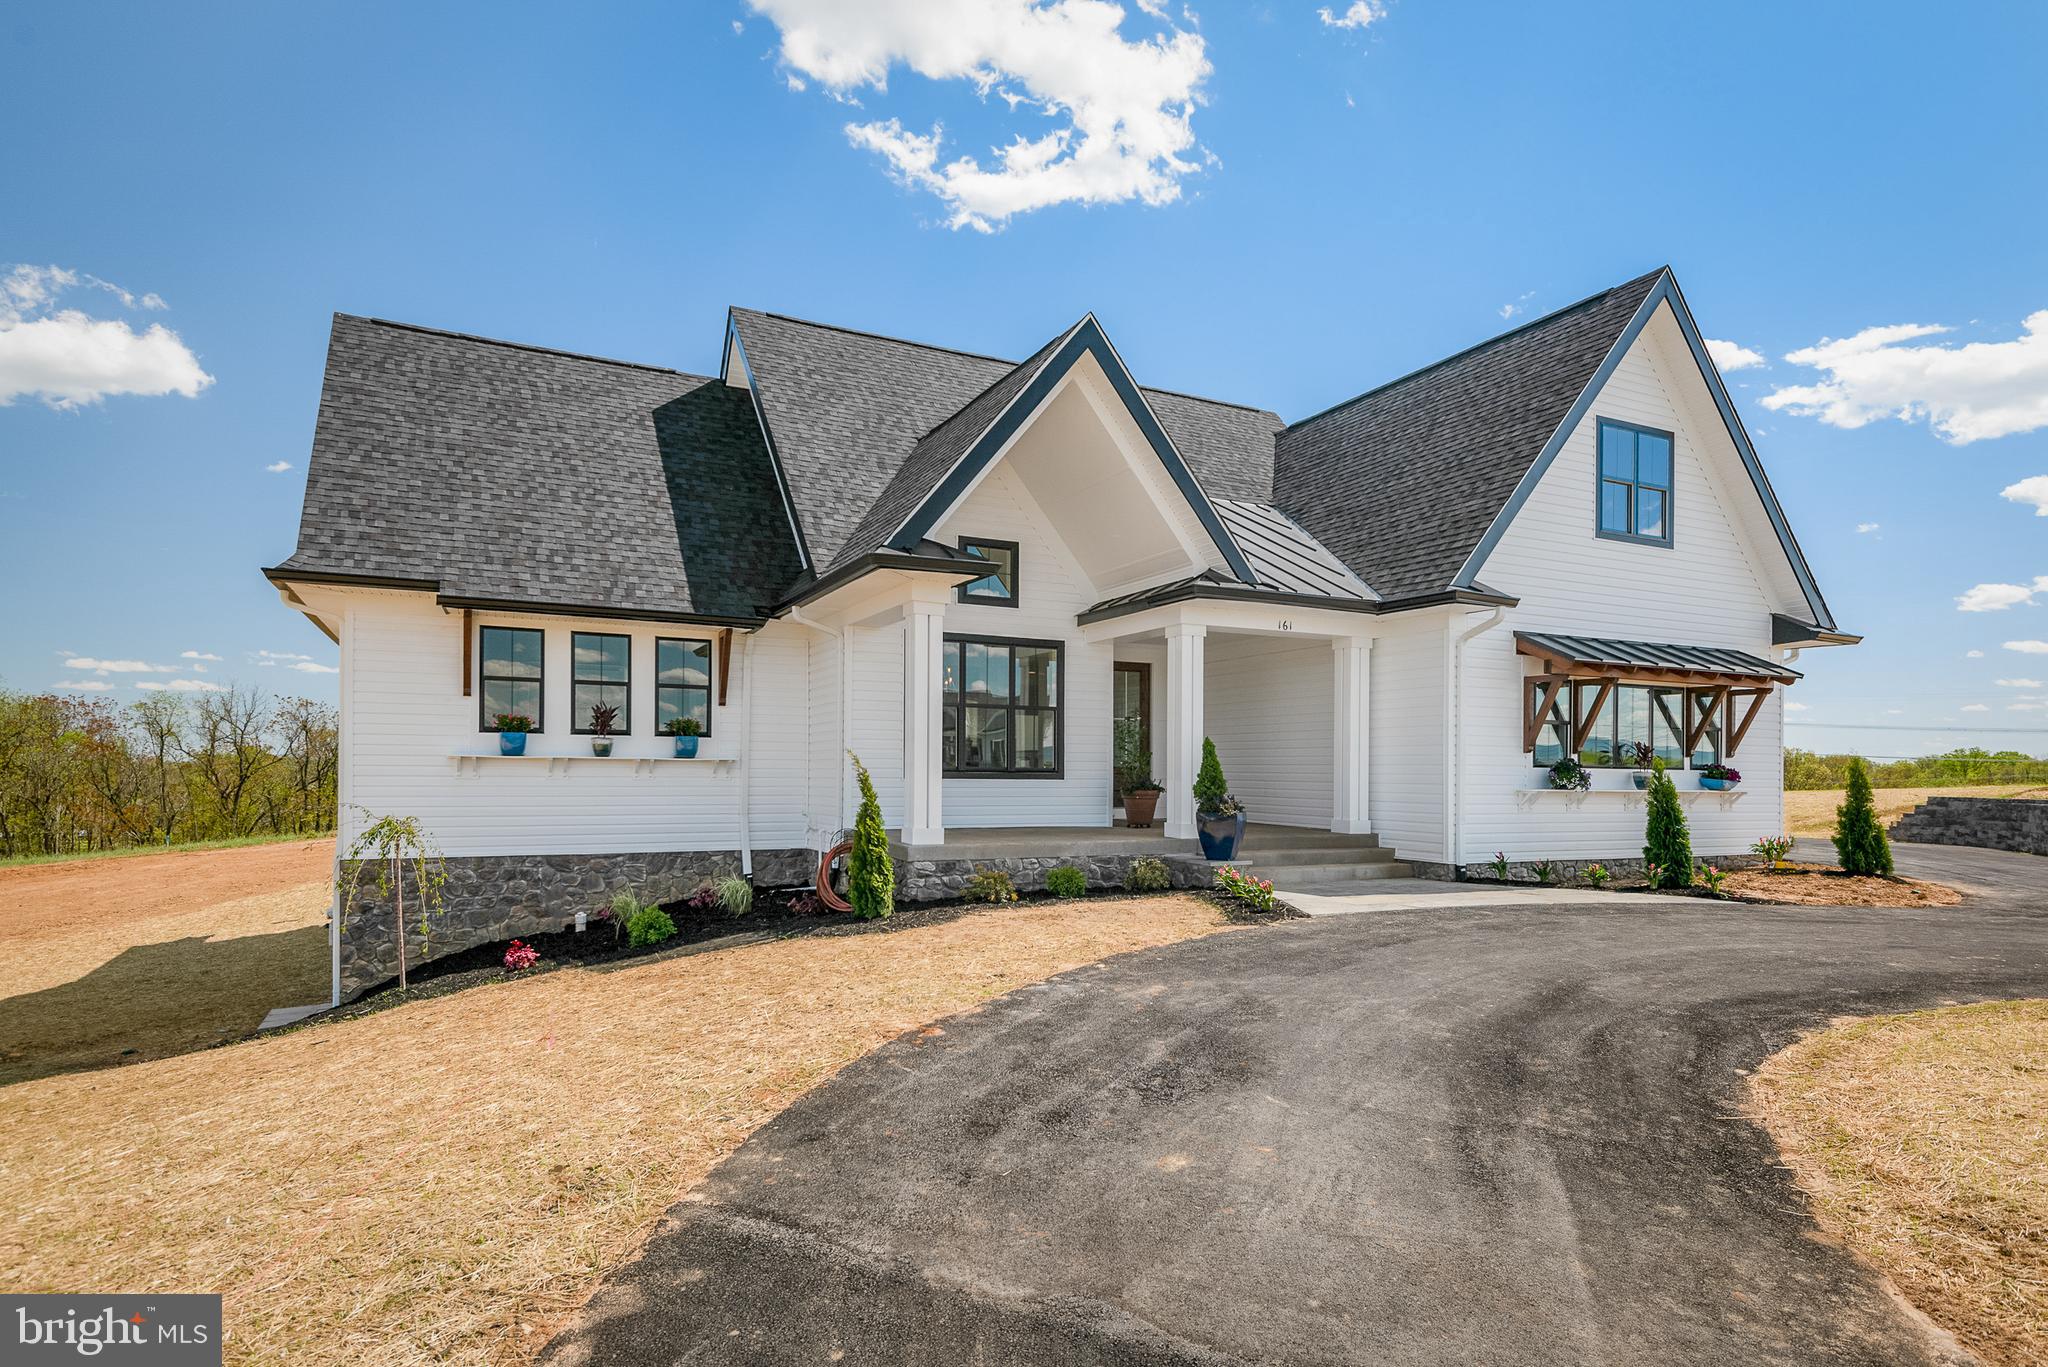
column 1185, row 593
column 285, row 576
column 902, row 562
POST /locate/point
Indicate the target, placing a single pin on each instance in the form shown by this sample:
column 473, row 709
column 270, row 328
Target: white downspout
column 1454, row 780
column 746, row 767
column 845, row 639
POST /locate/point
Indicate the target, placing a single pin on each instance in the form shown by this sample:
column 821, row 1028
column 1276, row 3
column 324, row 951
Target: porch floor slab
column 1045, row 842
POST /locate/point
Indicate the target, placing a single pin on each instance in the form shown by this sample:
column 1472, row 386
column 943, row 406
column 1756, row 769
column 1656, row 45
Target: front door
column 1131, row 727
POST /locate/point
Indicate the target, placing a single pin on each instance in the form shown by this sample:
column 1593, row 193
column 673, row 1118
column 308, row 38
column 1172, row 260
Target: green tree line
column 82, row 773
column 1955, row 769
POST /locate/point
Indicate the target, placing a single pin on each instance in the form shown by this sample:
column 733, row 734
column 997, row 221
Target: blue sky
column 1303, row 206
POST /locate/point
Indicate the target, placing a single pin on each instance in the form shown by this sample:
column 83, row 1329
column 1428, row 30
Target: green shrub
column 1210, row 789
column 735, row 894
column 870, row 879
column 1860, row 843
column 649, row 925
column 1666, row 843
column 1254, row 892
column 1066, row 881
column 1596, row 874
column 1545, row 871
column 1148, row 875
column 990, row 885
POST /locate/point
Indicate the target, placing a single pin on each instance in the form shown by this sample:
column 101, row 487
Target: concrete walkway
column 1431, row 894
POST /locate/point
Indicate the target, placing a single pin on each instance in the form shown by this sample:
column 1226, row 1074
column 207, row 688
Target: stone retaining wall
column 1991, row 823
column 497, row 897
column 938, row 880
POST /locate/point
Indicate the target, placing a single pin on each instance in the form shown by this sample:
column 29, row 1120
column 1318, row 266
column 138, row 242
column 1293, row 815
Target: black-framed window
column 1004, row 708
column 682, row 682
column 600, row 674
column 1634, row 490
column 510, row 675
column 1657, row 716
column 998, row 587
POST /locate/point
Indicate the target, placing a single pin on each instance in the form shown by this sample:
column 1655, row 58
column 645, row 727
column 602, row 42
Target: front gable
column 1659, row 368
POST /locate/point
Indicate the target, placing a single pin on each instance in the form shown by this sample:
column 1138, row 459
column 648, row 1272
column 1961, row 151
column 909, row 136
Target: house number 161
column 1286, row 625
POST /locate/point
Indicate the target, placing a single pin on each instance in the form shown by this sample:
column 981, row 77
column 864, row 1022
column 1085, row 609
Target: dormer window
column 1635, row 483
column 997, row 588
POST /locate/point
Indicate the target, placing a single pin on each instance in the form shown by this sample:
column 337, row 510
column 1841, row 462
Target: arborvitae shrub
column 1666, row 843
column 1860, row 842
column 870, row 878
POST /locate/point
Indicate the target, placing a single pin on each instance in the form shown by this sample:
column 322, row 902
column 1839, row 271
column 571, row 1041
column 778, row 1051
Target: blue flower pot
column 1220, row 835
column 511, row 742
column 1717, row 785
column 686, row 747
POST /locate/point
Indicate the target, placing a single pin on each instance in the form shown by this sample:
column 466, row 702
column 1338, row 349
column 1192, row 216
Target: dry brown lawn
column 1811, row 885
column 1811, row 812
column 1922, row 1140
column 116, row 960
column 444, row 1181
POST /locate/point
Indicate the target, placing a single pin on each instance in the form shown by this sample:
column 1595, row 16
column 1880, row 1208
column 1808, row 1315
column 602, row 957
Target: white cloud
column 2033, row 489
column 1791, row 706
column 1999, row 597
column 309, row 667
column 69, row 359
column 278, row 467
column 280, row 655
column 1732, row 355
column 199, row 655
column 2021, row 683
column 104, row 667
column 1973, row 654
column 1975, row 707
column 2027, row 706
column 1125, row 109
column 1519, row 305
column 1357, row 14
column 1967, row 393
column 1864, row 528
column 85, row 685
column 2028, row 647
column 182, row 686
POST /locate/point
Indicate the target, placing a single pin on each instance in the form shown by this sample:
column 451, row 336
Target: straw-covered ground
column 1814, row 885
column 1811, row 811
column 1922, row 1141
column 116, row 960
column 443, row 1181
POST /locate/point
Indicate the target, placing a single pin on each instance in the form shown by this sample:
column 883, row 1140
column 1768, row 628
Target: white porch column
column 1353, row 702
column 923, row 786
column 1183, row 726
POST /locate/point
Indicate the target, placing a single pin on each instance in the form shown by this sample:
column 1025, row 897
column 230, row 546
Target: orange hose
column 824, row 882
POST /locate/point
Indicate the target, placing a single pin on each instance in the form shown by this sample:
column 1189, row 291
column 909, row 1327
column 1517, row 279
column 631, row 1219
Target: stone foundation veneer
column 497, row 897
column 938, row 880
column 1569, row 872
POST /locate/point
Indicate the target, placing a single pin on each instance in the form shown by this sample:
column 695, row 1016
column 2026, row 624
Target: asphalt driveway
column 1466, row 1135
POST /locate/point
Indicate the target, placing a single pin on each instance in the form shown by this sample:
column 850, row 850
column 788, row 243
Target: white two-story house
column 1392, row 617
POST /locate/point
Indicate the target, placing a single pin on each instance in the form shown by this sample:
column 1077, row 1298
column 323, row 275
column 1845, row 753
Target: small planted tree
column 1860, row 843
column 870, row 879
column 400, row 852
column 1666, row 843
column 1211, row 792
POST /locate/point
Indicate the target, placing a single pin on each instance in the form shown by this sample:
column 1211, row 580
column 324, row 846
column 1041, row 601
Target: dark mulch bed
column 775, row 916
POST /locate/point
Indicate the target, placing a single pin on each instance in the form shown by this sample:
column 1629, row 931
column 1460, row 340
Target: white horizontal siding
column 1707, row 588
column 1268, row 704
column 1406, row 773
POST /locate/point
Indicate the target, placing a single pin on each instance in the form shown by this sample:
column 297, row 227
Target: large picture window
column 1003, row 709
column 1631, row 714
column 601, row 675
column 682, row 682
column 1635, row 483
column 510, row 675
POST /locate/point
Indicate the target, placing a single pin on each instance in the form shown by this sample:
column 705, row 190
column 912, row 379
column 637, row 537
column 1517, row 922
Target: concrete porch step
column 1290, row 855
column 1296, row 837
column 1314, row 877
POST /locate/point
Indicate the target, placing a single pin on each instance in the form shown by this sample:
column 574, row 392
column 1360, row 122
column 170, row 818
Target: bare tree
column 159, row 721
column 309, row 733
column 227, row 750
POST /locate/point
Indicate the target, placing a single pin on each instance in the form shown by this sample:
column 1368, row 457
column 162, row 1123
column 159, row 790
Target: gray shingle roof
column 846, row 409
column 1403, row 481
column 511, row 473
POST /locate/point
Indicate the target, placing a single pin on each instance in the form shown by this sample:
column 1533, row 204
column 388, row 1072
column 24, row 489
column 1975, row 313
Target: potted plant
column 1569, row 775
column 1219, row 817
column 685, row 730
column 1642, row 755
column 1134, row 776
column 603, row 717
column 1719, row 777
column 512, row 729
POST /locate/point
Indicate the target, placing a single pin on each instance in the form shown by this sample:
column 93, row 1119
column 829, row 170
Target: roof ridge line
column 1551, row 316
column 985, row 356
column 517, row 346
column 1043, row 350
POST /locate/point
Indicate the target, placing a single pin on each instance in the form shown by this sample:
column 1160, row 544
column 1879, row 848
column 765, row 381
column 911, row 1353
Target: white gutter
column 1454, row 776
column 746, row 768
